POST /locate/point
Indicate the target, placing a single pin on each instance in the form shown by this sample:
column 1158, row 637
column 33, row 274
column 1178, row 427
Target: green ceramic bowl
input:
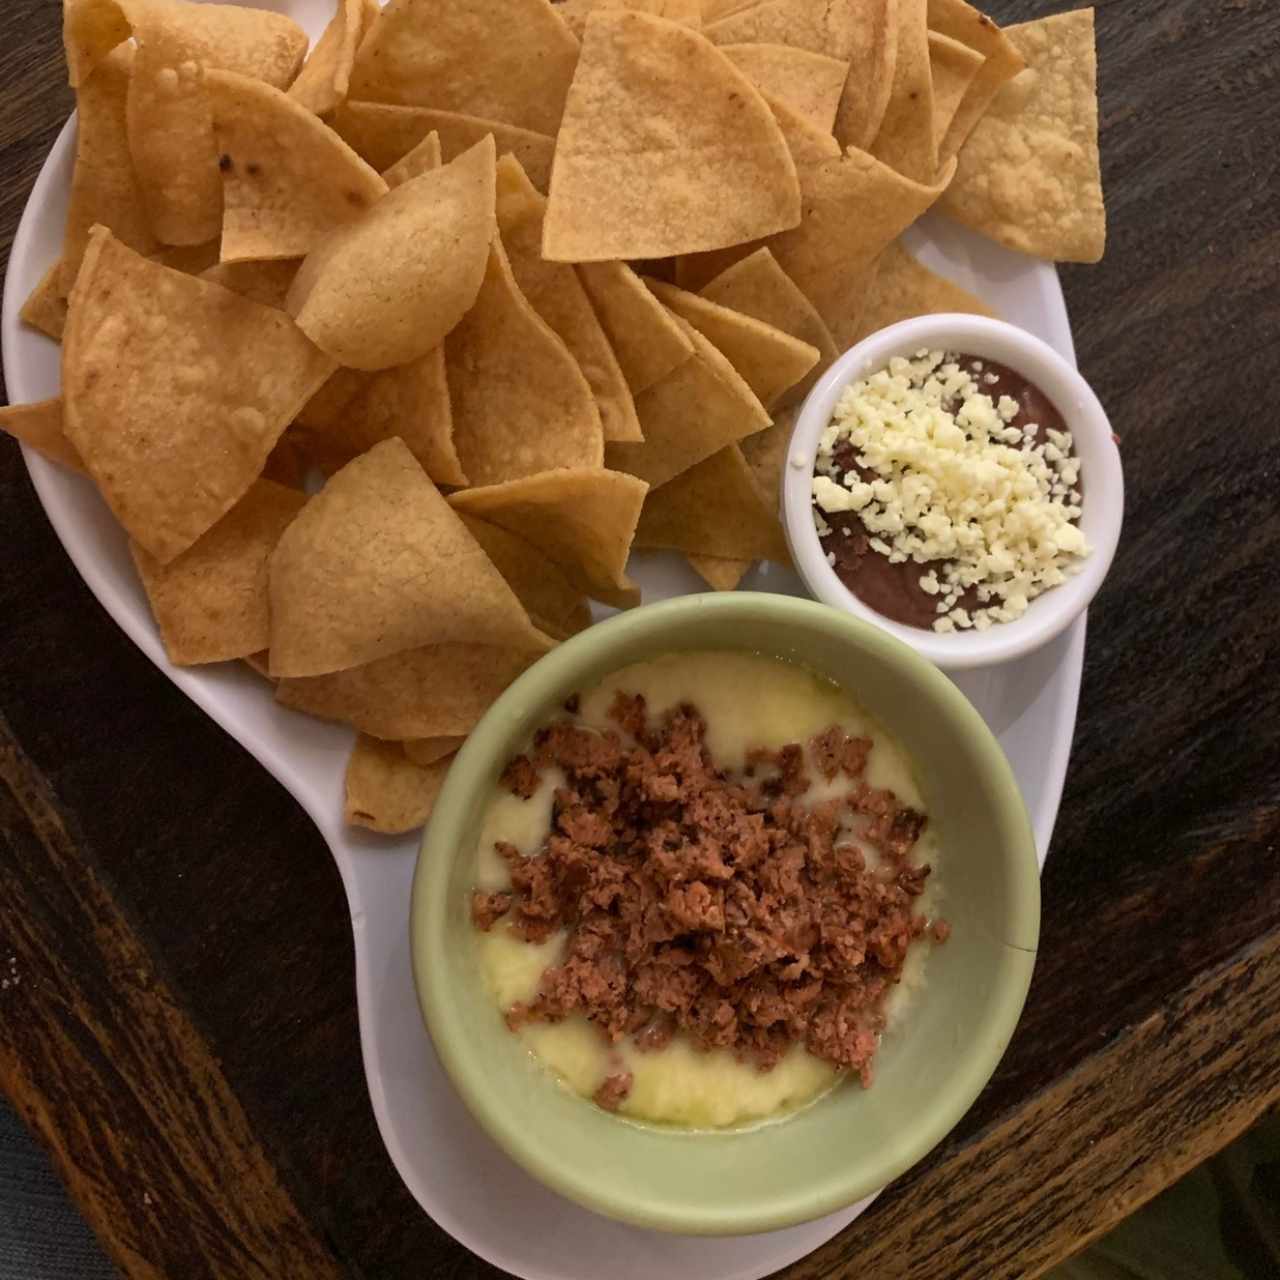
column 852, row 1141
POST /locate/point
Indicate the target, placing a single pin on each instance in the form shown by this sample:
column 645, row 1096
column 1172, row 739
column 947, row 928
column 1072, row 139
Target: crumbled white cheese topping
column 947, row 482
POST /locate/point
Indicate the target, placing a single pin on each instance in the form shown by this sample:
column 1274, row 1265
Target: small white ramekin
column 1100, row 474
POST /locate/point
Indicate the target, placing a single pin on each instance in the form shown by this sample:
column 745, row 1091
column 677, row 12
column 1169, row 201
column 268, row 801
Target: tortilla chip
column 715, row 508
column 758, row 287
column 46, row 307
column 266, row 282
column 40, row 426
column 553, row 603
column 574, row 13
column 174, row 443
column 904, row 140
column 645, row 338
column 807, row 143
column 769, row 360
column 257, row 662
column 386, row 791
column 426, row 156
column 718, row 572
column 556, row 294
column 426, row 751
column 437, row 691
column 508, row 60
column 581, row 519
column 1029, row 175
column 288, row 462
column 287, row 179
column 190, row 259
column 104, row 188
column 962, row 22
column 91, row 29
column 953, row 67
column 211, row 602
column 714, row 10
column 387, row 288
column 809, row 83
column 376, row 564
column 326, row 75
column 766, row 452
column 325, row 407
column 385, row 134
column 695, row 411
column 666, row 147
column 520, row 403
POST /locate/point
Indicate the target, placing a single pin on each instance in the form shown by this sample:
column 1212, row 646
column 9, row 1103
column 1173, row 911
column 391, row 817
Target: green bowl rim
column 453, row 809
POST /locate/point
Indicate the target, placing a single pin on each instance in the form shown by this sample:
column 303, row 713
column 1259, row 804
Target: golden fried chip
column 953, row 66
column 770, row 361
column 91, row 29
column 437, row 691
column 425, row 751
column 326, row 75
column 377, row 563
column 810, row 83
column 715, row 508
column 582, row 519
column 904, row 140
column 287, row 179
column 46, row 307
column 211, row 602
column 387, row 288
column 520, row 402
column 190, row 259
column 1029, row 175
column 324, row 408
column 386, row 791
column 574, row 13
column 384, row 134
column 697, row 409
column 426, row 156
column 758, row 287
column 807, row 143
column 666, row 147
column 265, row 281
column 40, row 426
column 175, row 391
column 508, row 60
column 719, row 572
column 766, row 451
column 556, row 294
column 646, row 339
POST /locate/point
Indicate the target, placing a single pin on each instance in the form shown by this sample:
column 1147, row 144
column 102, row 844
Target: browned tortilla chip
column 173, row 443
column 190, row 259
column 287, row 179
column 325, row 76
column 387, row 288
column 1029, row 175
column 323, row 409
column 581, row 519
column 90, row 30
column 426, row 751
column 770, row 361
column 718, row 572
column 697, row 409
column 758, row 287
column 574, row 13
column 520, row 402
column 376, row 564
column 386, row 791
column 104, row 188
column 46, row 307
column 508, row 60
column 266, row 281
column 556, row 294
column 807, row 143
column 426, row 156
column 810, row 83
column 211, row 602
column 666, row 147
column 553, row 603
column 384, row 134
column 646, row 339
column 437, row 691
column 766, row 451
column 904, row 140
column 40, row 426
column 953, row 66
column 715, row 508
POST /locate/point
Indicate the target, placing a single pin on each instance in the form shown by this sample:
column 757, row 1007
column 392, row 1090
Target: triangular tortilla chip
column 758, row 287
column 211, row 602
column 953, row 67
column 646, row 339
column 508, row 60
column 386, row 791
column 666, row 147
column 265, row 281
column 520, row 402
column 697, row 409
column 715, row 508
column 287, row 179
column 40, row 426
column 324, row 408
column 46, row 307
column 441, row 690
column 766, row 451
column 383, row 134
column 714, row 10
column 583, row 520
column 807, row 143
column 190, row 259
column 718, row 572
column 173, row 443
column 556, row 294
column 810, row 83
column 574, row 13
column 769, row 360
column 91, row 29
column 1029, row 175
column 326, row 75
column 904, row 140
column 427, row 155
column 387, row 288
column 427, row 751
column 376, row 564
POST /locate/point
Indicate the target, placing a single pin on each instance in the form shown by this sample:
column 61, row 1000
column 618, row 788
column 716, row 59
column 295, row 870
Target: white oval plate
column 459, row 1177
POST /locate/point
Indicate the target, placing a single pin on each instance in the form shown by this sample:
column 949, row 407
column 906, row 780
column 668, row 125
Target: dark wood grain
column 1151, row 1022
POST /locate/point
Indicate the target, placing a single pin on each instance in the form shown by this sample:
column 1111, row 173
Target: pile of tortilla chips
column 385, row 357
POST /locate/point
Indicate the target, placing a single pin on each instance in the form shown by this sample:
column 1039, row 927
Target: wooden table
column 177, row 1020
